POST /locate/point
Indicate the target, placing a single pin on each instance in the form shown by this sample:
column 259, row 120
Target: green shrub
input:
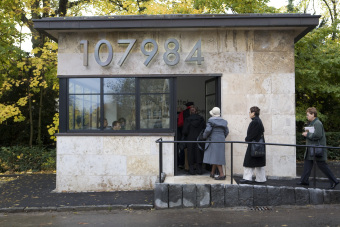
column 333, row 140
column 21, row 158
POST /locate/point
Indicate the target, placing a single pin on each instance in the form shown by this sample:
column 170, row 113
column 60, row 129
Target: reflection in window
column 84, row 104
column 155, row 103
column 119, row 99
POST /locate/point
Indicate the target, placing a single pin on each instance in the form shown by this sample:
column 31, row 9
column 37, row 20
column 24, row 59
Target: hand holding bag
column 317, row 150
column 258, row 150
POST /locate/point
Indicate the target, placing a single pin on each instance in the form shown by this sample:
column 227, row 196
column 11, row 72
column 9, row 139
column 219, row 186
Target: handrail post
column 231, row 163
column 314, row 160
column 160, row 160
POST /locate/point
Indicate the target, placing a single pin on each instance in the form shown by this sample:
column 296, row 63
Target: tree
column 318, row 68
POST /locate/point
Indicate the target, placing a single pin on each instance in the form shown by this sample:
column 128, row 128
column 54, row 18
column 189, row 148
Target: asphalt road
column 322, row 215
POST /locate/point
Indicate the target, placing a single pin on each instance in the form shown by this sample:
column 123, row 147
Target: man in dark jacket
column 192, row 127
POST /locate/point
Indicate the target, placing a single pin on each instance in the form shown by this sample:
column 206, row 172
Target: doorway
column 205, row 93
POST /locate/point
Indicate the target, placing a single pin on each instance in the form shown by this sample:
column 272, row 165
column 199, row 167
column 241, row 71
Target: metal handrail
column 160, row 141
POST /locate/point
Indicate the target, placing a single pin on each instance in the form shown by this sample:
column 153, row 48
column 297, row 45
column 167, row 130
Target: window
column 122, row 104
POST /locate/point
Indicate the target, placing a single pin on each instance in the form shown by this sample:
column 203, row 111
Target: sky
column 27, row 45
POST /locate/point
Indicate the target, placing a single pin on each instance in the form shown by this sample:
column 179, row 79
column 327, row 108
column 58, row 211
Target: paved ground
column 324, row 215
column 35, row 190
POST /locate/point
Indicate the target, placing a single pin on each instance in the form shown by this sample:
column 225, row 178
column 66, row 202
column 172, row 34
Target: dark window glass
column 116, row 104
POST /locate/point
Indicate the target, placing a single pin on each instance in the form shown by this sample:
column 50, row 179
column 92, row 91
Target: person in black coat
column 251, row 164
column 192, row 127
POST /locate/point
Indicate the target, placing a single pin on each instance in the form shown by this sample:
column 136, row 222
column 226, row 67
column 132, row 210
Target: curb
column 76, row 208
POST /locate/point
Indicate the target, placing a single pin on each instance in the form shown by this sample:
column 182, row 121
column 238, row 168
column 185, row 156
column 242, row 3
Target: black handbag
column 202, row 146
column 258, row 150
column 317, row 150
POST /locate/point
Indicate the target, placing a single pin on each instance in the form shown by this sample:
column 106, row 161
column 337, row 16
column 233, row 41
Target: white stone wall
column 257, row 68
column 110, row 163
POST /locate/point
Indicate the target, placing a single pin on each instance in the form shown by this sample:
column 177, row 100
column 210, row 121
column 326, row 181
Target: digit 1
column 152, row 53
column 86, row 44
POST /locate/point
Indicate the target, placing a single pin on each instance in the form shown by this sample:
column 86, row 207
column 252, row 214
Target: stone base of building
column 234, row 195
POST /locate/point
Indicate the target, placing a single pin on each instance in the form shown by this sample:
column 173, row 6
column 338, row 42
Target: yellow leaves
column 22, row 101
column 54, row 128
column 9, row 111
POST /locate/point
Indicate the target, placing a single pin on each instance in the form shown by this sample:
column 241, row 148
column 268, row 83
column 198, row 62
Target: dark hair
column 312, row 110
column 256, row 110
column 115, row 123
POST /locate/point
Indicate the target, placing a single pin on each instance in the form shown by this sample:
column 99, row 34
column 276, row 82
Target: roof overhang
column 300, row 23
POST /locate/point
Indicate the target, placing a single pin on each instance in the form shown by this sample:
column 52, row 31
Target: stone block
column 246, row 195
column 231, row 195
column 315, row 196
column 161, row 196
column 217, row 195
column 260, row 195
column 203, row 195
column 274, row 196
column 335, row 196
column 326, row 196
column 189, row 195
column 288, row 196
column 175, row 195
column 302, row 196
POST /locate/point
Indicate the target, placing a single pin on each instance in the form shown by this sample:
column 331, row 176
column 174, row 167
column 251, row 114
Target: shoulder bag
column 202, row 146
column 318, row 151
column 258, row 150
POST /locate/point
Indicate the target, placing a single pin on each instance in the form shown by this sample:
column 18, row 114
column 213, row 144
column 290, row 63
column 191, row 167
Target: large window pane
column 84, row 86
column 155, row 111
column 154, row 85
column 84, row 112
column 119, row 85
column 120, row 108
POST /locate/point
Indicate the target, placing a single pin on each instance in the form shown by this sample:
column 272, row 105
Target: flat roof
column 302, row 23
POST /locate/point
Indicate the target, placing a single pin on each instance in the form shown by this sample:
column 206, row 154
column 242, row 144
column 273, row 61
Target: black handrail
column 160, row 141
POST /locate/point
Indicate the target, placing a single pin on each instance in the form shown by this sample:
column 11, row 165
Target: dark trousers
column 307, row 169
column 195, row 155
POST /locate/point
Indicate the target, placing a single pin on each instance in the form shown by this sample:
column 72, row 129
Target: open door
column 212, row 95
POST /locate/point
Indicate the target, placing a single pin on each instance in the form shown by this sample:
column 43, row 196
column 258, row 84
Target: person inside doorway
column 192, row 127
column 182, row 146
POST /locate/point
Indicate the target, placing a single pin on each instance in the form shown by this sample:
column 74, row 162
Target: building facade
column 137, row 71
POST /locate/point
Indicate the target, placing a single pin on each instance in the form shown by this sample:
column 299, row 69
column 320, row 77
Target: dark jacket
column 315, row 138
column 192, row 127
column 254, row 132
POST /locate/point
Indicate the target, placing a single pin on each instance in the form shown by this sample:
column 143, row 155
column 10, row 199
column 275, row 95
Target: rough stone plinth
column 274, row 196
column 203, row 195
column 301, row 196
column 260, row 195
column 175, row 196
column 217, row 195
column 246, row 195
column 189, row 195
column 161, row 193
column 231, row 195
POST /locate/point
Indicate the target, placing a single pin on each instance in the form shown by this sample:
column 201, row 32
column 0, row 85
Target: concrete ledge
column 140, row 206
column 233, row 195
column 12, row 210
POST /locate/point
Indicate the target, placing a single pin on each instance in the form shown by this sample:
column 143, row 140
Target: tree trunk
column 31, row 117
column 39, row 118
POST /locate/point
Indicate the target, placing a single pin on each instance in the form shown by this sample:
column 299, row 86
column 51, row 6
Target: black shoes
column 220, row 178
column 334, row 184
column 302, row 183
column 243, row 181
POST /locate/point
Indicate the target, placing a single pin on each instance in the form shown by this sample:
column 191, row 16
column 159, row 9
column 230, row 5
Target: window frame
column 64, row 107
